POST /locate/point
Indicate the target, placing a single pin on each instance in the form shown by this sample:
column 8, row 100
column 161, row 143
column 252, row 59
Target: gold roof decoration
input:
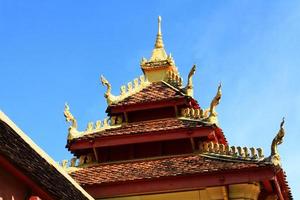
column 174, row 79
column 213, row 115
column 158, row 52
column 72, row 131
column 107, row 123
column 75, row 163
column 110, row 98
column 212, row 149
column 208, row 115
column 101, row 125
column 126, row 90
column 274, row 157
column 159, row 63
column 189, row 88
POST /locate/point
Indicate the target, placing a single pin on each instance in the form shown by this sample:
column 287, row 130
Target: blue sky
column 54, row 51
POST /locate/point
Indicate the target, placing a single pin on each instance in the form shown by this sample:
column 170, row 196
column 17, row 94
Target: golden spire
column 158, row 52
column 159, row 42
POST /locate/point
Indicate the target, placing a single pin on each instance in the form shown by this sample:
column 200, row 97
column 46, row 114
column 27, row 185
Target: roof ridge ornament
column 213, row 115
column 207, row 115
column 72, row 131
column 225, row 151
column 174, row 79
column 126, row 90
column 189, row 88
column 110, row 98
column 278, row 139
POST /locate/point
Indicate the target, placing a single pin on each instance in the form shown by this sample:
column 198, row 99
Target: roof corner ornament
column 72, row 131
column 274, row 157
column 110, row 98
column 213, row 115
column 189, row 88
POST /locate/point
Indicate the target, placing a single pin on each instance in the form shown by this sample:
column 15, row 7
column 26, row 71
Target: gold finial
column 274, row 157
column 159, row 42
column 158, row 53
column 159, row 25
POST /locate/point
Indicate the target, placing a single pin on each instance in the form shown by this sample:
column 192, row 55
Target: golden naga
column 109, row 97
column 274, row 157
column 212, row 118
column 189, row 88
column 73, row 132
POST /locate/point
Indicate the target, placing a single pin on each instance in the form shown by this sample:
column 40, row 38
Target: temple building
column 157, row 143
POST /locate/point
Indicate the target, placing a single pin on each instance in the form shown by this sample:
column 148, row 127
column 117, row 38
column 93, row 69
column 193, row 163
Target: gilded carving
column 189, row 88
column 274, row 157
column 213, row 115
column 110, row 98
column 224, row 151
column 72, row 131
column 131, row 88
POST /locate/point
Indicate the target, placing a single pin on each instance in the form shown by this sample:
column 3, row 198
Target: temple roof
column 156, row 91
column 21, row 152
column 158, row 168
column 142, row 127
column 168, row 125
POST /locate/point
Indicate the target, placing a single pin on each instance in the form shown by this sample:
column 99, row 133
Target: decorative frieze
column 73, row 163
column 194, row 113
column 126, row 90
column 133, row 87
column 216, row 149
column 208, row 115
column 107, row 123
column 174, row 78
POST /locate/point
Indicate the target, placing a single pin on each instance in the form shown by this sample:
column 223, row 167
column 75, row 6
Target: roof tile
column 145, row 127
column 152, row 169
column 156, row 91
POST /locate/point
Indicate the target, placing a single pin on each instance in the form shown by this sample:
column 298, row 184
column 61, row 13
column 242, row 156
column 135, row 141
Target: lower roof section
column 178, row 173
column 158, row 168
column 137, row 132
column 20, row 156
column 166, row 174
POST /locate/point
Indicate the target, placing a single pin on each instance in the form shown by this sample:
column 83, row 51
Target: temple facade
column 158, row 143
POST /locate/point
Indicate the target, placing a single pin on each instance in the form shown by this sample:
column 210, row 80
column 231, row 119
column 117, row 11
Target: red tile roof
column 156, row 91
column 153, row 169
column 146, row 127
column 33, row 163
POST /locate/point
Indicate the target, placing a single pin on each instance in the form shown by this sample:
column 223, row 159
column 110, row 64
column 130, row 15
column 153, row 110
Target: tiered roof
column 156, row 111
